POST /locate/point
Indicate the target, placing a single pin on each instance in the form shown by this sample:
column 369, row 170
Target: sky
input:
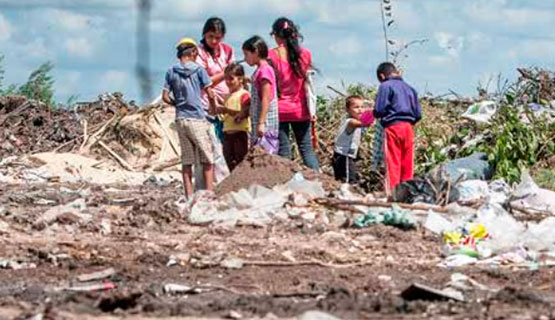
column 93, row 44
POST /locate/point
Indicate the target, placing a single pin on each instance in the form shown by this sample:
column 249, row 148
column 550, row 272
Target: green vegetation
column 39, row 86
column 515, row 139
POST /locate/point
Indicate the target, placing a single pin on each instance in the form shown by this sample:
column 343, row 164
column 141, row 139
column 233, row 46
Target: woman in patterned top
column 263, row 110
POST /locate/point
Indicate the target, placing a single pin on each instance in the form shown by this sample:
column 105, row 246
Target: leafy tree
column 40, row 84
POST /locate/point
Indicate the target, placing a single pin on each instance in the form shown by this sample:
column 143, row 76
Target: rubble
column 97, row 199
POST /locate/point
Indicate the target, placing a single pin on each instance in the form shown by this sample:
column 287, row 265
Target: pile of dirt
column 29, row 126
column 104, row 108
column 267, row 170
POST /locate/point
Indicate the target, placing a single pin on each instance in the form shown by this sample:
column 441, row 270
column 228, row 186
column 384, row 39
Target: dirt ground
column 255, row 169
column 287, row 268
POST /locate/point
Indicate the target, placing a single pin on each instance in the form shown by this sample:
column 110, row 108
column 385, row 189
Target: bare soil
column 267, row 170
column 289, row 268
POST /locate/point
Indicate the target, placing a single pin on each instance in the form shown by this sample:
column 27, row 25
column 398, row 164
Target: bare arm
column 353, row 124
column 217, row 78
column 212, row 100
column 166, row 98
column 366, row 120
column 245, row 108
column 266, row 93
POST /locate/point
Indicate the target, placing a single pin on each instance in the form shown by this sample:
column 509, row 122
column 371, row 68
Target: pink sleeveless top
column 292, row 102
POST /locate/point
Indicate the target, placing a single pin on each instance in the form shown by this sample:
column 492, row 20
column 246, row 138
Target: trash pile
column 106, row 141
column 492, row 235
column 256, row 205
column 30, row 126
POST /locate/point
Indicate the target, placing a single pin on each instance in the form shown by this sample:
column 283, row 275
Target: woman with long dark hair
column 292, row 62
column 215, row 56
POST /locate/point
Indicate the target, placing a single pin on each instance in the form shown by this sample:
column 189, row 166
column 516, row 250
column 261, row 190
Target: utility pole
column 143, row 49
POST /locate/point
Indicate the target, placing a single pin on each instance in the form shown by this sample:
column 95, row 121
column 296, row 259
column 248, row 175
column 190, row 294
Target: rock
column 105, row 227
column 317, row 315
column 334, row 237
column 15, row 265
column 234, row 315
column 384, row 278
column 232, row 263
column 418, row 291
column 54, row 213
column 179, row 288
column 7, row 146
column 97, row 275
column 309, row 216
column 4, row 226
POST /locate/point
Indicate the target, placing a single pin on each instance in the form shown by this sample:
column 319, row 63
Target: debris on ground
column 93, row 220
column 417, row 291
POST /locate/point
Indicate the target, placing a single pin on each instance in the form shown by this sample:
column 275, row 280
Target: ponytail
column 289, row 32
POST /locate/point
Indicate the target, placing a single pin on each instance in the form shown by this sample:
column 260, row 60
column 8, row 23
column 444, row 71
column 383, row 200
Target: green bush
column 40, row 84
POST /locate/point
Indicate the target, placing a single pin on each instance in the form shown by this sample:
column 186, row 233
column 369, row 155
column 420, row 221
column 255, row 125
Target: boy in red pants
column 398, row 109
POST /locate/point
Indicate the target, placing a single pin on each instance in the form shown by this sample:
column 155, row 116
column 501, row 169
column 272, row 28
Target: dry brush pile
column 517, row 138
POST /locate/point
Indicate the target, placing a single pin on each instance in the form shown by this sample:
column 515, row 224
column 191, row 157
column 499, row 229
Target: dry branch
column 115, row 155
column 339, row 203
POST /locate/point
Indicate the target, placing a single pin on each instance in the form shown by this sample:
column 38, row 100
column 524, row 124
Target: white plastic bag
column 530, row 197
column 472, row 190
column 437, row 223
column 481, row 112
column 311, row 97
column 221, row 171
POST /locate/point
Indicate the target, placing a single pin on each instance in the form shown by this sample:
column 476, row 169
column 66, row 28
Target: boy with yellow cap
column 186, row 81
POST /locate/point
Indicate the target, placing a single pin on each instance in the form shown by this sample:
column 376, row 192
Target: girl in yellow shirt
column 235, row 116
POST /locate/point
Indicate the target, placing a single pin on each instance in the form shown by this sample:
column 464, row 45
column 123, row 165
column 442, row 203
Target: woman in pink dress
column 291, row 63
column 215, row 56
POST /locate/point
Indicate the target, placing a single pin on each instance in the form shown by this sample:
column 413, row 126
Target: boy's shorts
column 194, row 136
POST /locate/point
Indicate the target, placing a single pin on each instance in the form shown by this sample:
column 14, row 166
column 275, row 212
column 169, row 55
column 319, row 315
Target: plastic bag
column 221, row 171
column 311, row 97
column 395, row 216
column 472, row 190
column 437, row 223
column 481, row 112
column 532, row 198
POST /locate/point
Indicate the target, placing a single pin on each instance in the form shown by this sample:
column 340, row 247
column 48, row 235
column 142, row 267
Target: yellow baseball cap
column 189, row 42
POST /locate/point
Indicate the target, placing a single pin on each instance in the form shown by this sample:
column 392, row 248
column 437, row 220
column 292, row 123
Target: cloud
column 68, row 4
column 350, row 45
column 450, row 43
column 79, row 47
column 194, row 9
column 338, row 13
column 68, row 82
column 113, row 80
column 5, row 28
column 69, row 21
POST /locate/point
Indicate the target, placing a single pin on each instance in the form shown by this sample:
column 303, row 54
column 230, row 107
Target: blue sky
column 92, row 43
